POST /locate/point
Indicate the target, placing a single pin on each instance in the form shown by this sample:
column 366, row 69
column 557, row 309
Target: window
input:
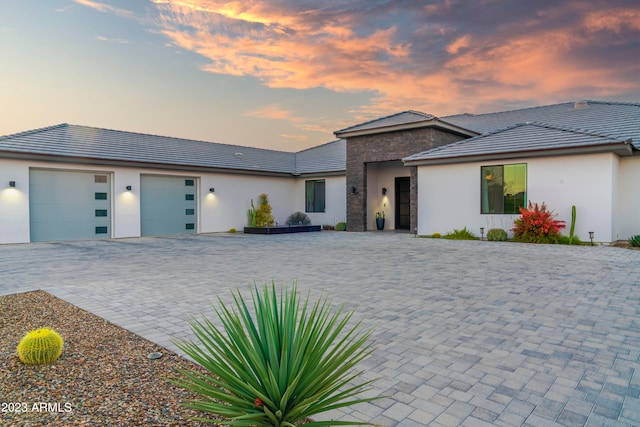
column 504, row 188
column 314, row 195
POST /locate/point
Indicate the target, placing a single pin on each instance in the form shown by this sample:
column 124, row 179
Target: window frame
column 312, row 203
column 485, row 197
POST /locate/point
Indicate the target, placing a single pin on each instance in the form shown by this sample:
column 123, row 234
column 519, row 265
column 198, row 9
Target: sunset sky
column 285, row 74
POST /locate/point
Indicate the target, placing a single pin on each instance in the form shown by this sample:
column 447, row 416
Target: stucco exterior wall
column 219, row 211
column 628, row 199
column 383, row 147
column 449, row 195
column 335, row 200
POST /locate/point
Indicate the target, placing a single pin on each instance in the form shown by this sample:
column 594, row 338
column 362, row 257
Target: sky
column 286, row 74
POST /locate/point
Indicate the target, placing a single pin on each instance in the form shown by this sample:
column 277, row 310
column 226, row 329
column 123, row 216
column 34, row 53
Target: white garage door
column 69, row 205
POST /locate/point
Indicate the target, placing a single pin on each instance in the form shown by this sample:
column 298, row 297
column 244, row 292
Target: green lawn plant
column 285, row 363
column 634, row 241
column 463, row 234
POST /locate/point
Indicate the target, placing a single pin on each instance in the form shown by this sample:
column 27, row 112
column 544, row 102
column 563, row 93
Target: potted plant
column 380, row 220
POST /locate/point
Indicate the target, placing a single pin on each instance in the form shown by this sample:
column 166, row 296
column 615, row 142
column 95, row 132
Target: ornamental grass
column 292, row 361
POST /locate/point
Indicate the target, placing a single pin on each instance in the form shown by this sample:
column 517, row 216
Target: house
column 69, row 182
column 477, row 170
column 425, row 174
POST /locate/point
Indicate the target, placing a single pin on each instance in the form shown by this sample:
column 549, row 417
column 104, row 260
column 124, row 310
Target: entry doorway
column 403, row 203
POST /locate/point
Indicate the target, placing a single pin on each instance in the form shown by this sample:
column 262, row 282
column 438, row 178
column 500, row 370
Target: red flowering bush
column 537, row 225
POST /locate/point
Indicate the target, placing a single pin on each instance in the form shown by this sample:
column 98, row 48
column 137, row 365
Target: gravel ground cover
column 103, row 378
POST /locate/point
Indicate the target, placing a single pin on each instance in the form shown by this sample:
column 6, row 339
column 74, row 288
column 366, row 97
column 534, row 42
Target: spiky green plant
column 291, row 361
column 251, row 213
column 40, row 347
column 634, row 241
column 573, row 224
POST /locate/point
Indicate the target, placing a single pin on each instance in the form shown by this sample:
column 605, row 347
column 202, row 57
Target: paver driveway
column 467, row 333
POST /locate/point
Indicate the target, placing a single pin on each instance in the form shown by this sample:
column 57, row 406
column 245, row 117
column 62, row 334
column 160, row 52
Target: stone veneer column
column 382, row 147
column 356, row 203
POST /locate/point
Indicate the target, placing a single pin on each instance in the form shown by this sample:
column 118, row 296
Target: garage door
column 167, row 205
column 69, row 205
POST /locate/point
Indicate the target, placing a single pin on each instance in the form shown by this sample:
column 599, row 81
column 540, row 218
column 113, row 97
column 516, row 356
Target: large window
column 504, row 188
column 314, row 195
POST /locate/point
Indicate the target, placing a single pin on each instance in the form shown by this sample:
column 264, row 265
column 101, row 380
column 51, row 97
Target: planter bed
column 282, row 229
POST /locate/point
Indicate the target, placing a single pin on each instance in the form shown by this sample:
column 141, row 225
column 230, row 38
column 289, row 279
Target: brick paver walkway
column 467, row 333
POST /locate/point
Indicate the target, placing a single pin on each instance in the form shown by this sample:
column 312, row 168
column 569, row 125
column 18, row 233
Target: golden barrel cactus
column 40, row 347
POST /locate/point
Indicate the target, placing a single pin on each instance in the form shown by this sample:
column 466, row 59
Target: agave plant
column 634, row 241
column 290, row 362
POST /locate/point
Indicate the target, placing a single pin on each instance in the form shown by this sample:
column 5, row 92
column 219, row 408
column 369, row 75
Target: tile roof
column 94, row 144
column 330, row 157
column 522, row 140
column 403, row 118
column 617, row 119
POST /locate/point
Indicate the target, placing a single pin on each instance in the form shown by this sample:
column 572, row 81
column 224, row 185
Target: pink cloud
column 435, row 58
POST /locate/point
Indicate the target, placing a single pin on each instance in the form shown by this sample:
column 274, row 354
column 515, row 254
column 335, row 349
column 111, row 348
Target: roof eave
column 436, row 123
column 147, row 165
column 622, row 149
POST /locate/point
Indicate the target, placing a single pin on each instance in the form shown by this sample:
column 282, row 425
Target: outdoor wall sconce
column 212, row 190
column 591, row 237
column 12, row 184
column 481, row 233
column 353, row 190
column 384, row 191
column 128, row 187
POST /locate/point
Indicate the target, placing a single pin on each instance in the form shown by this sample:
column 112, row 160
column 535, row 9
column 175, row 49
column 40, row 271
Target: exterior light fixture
column 481, row 233
column 353, row 190
column 12, row 184
column 591, row 237
column 384, row 190
column 212, row 190
column 128, row 188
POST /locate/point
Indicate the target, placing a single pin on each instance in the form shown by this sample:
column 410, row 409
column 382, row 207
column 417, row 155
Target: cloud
column 111, row 40
column 101, row 7
column 277, row 112
column 443, row 57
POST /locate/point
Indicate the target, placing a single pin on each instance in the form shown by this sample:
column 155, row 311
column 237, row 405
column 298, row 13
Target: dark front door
column 403, row 201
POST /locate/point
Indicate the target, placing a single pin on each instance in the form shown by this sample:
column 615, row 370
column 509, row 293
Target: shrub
column 40, row 347
column 463, row 234
column 328, row 227
column 341, row 226
column 285, row 363
column 567, row 240
column 537, row 225
column 264, row 217
column 497, row 235
column 436, row 235
column 232, row 230
column 298, row 218
column 634, row 241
